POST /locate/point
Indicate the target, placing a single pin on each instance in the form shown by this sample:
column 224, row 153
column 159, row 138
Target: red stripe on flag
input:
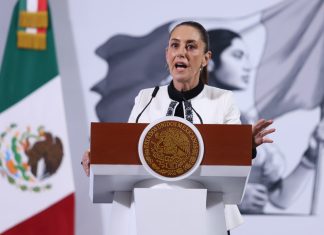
column 57, row 219
column 42, row 6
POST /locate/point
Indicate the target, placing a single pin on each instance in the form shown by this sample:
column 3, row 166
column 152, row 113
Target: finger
column 267, row 132
column 261, row 188
column 259, row 203
column 263, row 124
column 257, row 126
column 267, row 140
column 257, row 208
column 86, row 157
column 260, row 129
column 86, row 169
column 261, row 197
column 86, row 162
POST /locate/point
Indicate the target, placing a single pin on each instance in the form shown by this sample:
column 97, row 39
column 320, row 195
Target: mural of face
column 234, row 70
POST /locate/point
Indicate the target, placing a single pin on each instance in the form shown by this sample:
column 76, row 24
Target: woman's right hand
column 86, row 162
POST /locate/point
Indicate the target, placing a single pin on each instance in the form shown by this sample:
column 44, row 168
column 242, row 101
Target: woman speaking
column 188, row 95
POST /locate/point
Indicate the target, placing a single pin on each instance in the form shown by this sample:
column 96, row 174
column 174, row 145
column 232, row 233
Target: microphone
column 184, row 99
column 200, row 119
column 155, row 91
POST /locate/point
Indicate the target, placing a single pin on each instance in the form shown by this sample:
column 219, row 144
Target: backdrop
column 274, row 59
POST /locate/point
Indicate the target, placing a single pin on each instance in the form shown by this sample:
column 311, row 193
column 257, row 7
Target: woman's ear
column 206, row 59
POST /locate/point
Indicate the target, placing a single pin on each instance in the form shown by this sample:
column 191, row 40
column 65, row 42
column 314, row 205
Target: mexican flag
column 36, row 182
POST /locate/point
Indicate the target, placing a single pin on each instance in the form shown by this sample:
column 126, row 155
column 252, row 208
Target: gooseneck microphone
column 200, row 119
column 155, row 91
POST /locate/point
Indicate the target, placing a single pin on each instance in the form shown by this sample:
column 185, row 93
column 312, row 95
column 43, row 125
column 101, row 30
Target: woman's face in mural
column 235, row 67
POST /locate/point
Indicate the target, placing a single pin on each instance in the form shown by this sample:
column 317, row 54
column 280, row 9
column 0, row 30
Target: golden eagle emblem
column 171, row 148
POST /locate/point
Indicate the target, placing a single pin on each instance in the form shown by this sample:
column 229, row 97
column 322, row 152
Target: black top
column 181, row 96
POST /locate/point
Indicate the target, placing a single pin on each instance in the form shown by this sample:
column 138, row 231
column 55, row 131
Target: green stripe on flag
column 23, row 71
column 22, row 5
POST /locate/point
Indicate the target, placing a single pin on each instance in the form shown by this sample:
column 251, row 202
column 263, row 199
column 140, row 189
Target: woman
column 230, row 66
column 230, row 69
column 187, row 96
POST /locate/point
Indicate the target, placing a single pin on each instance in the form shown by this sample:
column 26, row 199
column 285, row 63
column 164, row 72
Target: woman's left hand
column 260, row 132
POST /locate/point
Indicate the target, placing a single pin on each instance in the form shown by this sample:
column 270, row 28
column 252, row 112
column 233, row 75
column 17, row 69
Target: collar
column 176, row 95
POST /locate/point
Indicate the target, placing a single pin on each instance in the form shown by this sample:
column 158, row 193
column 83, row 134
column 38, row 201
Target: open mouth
column 181, row 65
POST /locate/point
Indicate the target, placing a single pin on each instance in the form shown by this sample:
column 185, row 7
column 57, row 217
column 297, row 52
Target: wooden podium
column 116, row 172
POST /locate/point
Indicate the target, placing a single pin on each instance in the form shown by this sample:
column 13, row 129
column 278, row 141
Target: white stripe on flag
column 32, row 6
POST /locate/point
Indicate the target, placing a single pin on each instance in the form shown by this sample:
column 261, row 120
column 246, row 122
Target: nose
column 181, row 52
column 247, row 65
column 247, row 69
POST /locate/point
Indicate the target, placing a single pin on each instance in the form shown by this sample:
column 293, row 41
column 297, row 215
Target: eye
column 174, row 44
column 238, row 54
column 190, row 46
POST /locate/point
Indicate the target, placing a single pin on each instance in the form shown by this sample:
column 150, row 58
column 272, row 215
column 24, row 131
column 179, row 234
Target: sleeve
column 232, row 113
column 135, row 111
column 254, row 153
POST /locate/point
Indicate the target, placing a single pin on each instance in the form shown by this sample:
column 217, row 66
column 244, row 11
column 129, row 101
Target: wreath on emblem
column 28, row 158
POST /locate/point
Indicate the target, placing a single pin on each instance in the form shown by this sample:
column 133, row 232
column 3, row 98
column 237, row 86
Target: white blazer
column 214, row 105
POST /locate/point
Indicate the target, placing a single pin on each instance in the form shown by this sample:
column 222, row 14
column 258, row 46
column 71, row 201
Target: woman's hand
column 86, row 162
column 312, row 152
column 255, row 198
column 260, row 132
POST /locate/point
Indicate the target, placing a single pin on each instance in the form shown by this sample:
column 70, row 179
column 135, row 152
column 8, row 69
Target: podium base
column 160, row 208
